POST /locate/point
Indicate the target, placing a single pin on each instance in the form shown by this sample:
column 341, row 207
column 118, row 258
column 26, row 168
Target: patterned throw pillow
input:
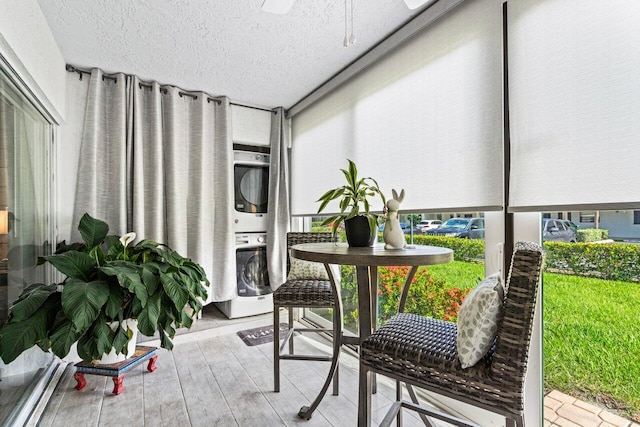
column 301, row 269
column 478, row 320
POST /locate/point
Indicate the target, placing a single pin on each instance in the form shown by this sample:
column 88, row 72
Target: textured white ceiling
column 223, row 47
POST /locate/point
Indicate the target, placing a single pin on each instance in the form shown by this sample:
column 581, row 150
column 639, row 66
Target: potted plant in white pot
column 360, row 224
column 110, row 282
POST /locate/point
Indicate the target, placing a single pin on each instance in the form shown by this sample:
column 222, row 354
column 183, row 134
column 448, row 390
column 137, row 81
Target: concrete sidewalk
column 562, row 410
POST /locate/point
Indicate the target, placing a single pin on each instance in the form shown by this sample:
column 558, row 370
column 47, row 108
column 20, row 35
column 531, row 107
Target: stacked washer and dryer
column 251, row 183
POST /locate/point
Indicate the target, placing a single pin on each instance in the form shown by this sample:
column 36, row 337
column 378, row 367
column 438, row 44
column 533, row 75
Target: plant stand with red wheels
column 116, row 370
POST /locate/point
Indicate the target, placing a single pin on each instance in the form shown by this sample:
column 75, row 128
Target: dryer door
column 251, row 188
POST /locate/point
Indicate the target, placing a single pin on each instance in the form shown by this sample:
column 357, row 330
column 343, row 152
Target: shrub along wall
column 592, row 235
column 611, row 261
column 463, row 249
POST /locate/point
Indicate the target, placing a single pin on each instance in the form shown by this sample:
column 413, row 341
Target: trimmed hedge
column 592, row 235
column 463, row 249
column 611, row 261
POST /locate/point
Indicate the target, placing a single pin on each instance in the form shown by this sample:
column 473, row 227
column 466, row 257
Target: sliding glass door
column 26, row 231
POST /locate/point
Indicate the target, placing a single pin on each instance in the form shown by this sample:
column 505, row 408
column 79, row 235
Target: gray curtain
column 224, row 251
column 278, row 208
column 102, row 170
column 199, row 185
column 171, row 162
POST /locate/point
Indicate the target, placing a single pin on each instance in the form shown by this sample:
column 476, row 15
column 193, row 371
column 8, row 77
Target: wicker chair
column 308, row 294
column 421, row 351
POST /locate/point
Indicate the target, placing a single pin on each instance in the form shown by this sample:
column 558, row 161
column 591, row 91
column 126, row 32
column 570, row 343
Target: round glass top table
column 367, row 260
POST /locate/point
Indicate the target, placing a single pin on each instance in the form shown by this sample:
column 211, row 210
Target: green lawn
column 459, row 273
column 592, row 339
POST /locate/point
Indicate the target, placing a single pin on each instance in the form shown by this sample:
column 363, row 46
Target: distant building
column 622, row 225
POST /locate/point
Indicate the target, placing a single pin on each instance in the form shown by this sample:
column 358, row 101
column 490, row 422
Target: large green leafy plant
column 108, row 280
column 354, row 198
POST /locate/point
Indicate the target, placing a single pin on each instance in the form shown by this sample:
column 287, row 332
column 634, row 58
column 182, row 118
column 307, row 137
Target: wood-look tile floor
column 215, row 380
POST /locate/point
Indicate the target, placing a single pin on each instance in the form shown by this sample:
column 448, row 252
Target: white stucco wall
column 620, row 224
column 27, row 45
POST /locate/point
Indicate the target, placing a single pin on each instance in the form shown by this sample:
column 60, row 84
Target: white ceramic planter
column 114, row 357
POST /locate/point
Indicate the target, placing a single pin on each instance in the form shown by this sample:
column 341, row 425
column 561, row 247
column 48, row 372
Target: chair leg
column 337, row 341
column 290, row 311
column 515, row 422
column 364, row 397
column 399, row 399
column 276, row 349
column 336, row 381
column 414, row 399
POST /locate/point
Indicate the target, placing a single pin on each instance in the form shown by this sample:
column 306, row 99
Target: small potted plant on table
column 360, row 224
column 109, row 283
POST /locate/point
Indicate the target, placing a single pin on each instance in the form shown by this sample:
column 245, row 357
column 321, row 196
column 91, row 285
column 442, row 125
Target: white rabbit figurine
column 392, row 234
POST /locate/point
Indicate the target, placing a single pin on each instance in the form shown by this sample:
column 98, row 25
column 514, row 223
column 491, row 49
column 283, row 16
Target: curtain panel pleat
column 147, row 210
column 278, row 212
column 574, row 96
column 102, row 169
column 161, row 165
column 224, row 253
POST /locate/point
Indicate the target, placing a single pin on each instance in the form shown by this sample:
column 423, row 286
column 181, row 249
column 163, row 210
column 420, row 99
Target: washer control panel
column 251, row 239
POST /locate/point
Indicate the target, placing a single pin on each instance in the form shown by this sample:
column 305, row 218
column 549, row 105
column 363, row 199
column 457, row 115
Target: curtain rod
column 255, row 108
column 73, row 69
column 181, row 93
column 80, row 72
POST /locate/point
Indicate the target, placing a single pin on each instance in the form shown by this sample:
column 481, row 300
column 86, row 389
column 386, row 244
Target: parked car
column 570, row 224
column 556, row 230
column 428, row 224
column 467, row 228
column 406, row 228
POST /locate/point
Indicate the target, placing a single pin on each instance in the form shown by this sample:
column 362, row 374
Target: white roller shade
column 426, row 118
column 574, row 89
